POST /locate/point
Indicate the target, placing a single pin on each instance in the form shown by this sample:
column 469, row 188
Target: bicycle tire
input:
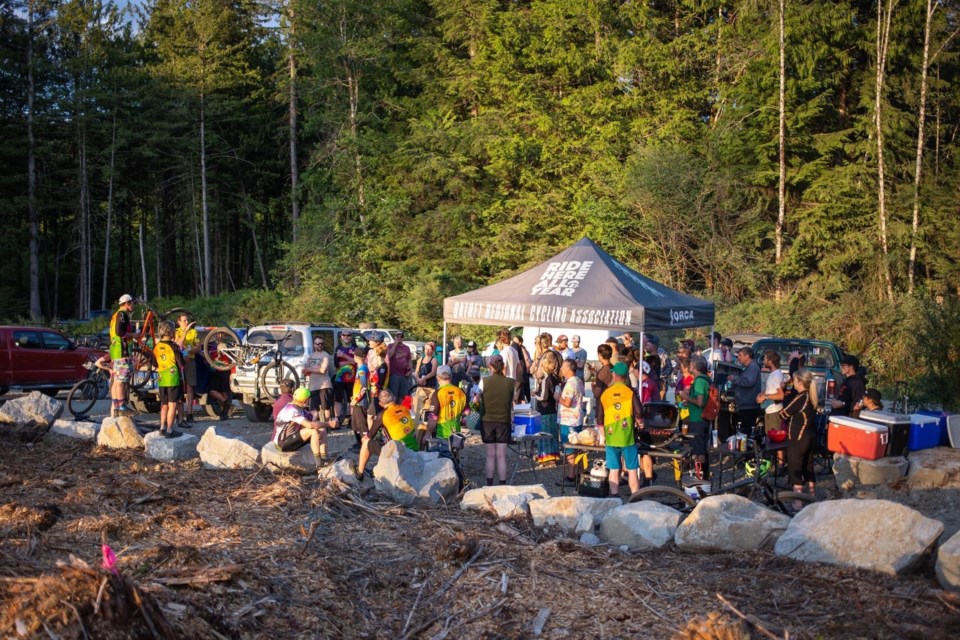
column 82, row 397
column 141, row 369
column 668, row 496
column 221, row 336
column 785, row 502
column 103, row 387
column 272, row 374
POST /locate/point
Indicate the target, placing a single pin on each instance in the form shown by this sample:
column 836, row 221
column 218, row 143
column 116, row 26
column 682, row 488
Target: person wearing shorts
column 294, row 428
column 396, row 420
column 360, row 398
column 121, row 331
column 619, row 410
column 497, row 399
column 694, row 398
column 169, row 366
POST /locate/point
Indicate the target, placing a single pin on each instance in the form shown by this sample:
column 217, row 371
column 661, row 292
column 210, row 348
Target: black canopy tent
column 581, row 287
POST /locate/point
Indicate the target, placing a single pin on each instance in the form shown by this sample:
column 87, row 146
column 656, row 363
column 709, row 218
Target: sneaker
column 173, row 434
column 185, row 425
column 190, row 418
column 124, row 409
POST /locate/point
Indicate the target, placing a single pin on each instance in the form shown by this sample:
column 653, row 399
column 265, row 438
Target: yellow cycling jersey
column 400, row 425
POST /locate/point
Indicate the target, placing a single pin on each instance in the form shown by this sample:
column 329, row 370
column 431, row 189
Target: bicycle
column 142, row 361
column 758, row 487
column 223, row 350
column 84, row 394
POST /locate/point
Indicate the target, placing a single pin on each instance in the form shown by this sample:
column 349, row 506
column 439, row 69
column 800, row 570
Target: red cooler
column 858, row 438
column 898, row 428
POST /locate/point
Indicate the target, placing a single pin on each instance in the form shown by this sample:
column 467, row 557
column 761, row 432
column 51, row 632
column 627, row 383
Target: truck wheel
column 216, row 409
column 257, row 412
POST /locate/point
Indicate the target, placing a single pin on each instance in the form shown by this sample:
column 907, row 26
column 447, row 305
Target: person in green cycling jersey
column 121, row 331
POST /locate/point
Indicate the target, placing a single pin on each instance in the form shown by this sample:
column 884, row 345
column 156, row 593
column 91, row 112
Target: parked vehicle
column 37, row 358
column 823, row 360
column 253, row 360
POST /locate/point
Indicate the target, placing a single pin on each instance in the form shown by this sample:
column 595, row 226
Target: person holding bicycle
column 121, row 331
column 801, row 412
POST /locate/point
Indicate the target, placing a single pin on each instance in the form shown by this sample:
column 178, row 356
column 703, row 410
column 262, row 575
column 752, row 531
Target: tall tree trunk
column 34, row 215
column 106, row 244
column 782, row 188
column 353, row 91
column 936, row 144
column 884, row 17
column 203, row 200
column 256, row 243
column 143, row 262
column 158, row 246
column 918, row 168
column 294, row 170
column 83, row 304
column 196, row 244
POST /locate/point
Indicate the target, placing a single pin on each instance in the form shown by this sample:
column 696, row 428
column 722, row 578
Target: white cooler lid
column 918, row 418
column 858, row 424
column 884, row 417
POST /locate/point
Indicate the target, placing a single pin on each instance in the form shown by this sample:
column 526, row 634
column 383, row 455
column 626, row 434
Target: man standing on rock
column 619, row 409
column 121, row 331
column 399, row 425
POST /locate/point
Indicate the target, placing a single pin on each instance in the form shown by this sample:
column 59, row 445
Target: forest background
column 352, row 160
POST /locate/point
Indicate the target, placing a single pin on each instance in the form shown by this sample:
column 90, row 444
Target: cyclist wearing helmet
column 294, row 428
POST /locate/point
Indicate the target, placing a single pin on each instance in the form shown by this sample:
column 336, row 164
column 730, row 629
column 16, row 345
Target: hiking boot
column 190, row 418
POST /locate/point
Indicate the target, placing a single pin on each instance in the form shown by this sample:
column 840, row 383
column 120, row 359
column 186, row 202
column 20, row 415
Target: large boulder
column 878, row 535
column 158, row 447
column 300, row 461
column 342, row 470
column 32, row 410
column 574, row 514
column 224, row 452
column 948, row 563
column 935, row 468
column 413, row 476
column 730, row 523
column 119, row 433
column 503, row 500
column 79, row 429
column 851, row 471
column 640, row 525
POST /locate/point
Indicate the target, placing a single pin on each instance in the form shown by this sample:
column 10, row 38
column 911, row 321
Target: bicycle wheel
column 668, row 496
column 141, row 369
column 82, row 397
column 227, row 352
column 175, row 313
column 103, row 386
column 791, row 502
column 272, row 374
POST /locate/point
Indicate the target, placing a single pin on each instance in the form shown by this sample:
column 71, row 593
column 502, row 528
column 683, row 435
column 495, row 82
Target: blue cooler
column 924, row 432
column 529, row 421
column 942, row 417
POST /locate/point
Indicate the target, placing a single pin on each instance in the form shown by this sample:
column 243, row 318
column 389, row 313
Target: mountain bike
column 84, row 394
column 223, row 351
column 143, row 363
column 758, row 486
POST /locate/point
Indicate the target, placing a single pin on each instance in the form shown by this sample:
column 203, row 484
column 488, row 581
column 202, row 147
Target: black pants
column 800, row 459
column 748, row 422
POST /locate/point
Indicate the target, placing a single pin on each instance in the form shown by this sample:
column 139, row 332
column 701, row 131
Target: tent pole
column 445, row 355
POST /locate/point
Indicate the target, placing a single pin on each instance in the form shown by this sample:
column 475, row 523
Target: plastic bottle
column 715, row 438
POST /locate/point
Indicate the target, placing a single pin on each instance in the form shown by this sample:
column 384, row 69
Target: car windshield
column 292, row 344
column 817, row 356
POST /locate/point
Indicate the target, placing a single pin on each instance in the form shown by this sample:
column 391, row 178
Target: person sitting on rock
column 295, row 428
column 399, row 425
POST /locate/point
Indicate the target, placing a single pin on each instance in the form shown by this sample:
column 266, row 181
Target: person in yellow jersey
column 619, row 410
column 169, row 366
column 186, row 338
column 444, row 411
column 399, row 425
column 121, row 332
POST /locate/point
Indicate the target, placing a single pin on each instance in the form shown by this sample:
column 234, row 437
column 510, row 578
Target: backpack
column 712, row 408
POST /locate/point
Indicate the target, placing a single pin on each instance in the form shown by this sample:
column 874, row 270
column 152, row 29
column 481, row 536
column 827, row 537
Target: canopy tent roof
column 581, row 287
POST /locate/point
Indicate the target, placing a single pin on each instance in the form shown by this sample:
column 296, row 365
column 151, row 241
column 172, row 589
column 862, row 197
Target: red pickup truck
column 43, row 359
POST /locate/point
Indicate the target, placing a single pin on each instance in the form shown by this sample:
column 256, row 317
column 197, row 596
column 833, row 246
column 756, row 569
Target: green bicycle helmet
column 301, row 395
column 751, row 468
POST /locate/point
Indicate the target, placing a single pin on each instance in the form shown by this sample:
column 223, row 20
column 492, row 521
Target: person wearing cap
column 445, row 411
column 399, row 359
column 317, row 369
column 457, row 359
column 295, row 428
column 872, row 400
column 121, row 332
column 343, row 378
column 579, row 355
column 619, row 410
column 396, row 420
column 474, row 359
column 854, row 385
column 360, row 419
column 563, row 347
column 497, row 399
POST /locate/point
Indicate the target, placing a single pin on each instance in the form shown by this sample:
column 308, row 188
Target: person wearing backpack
column 694, row 399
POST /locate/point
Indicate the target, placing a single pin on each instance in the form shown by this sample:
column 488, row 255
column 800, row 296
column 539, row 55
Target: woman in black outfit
column 801, row 412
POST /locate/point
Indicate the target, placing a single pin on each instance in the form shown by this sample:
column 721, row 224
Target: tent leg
column 444, row 343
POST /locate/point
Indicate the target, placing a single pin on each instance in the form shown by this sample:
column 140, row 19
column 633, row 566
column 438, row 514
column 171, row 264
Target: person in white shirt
column 580, row 355
column 511, row 362
column 563, row 348
column 772, row 397
column 318, row 368
column 569, row 412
